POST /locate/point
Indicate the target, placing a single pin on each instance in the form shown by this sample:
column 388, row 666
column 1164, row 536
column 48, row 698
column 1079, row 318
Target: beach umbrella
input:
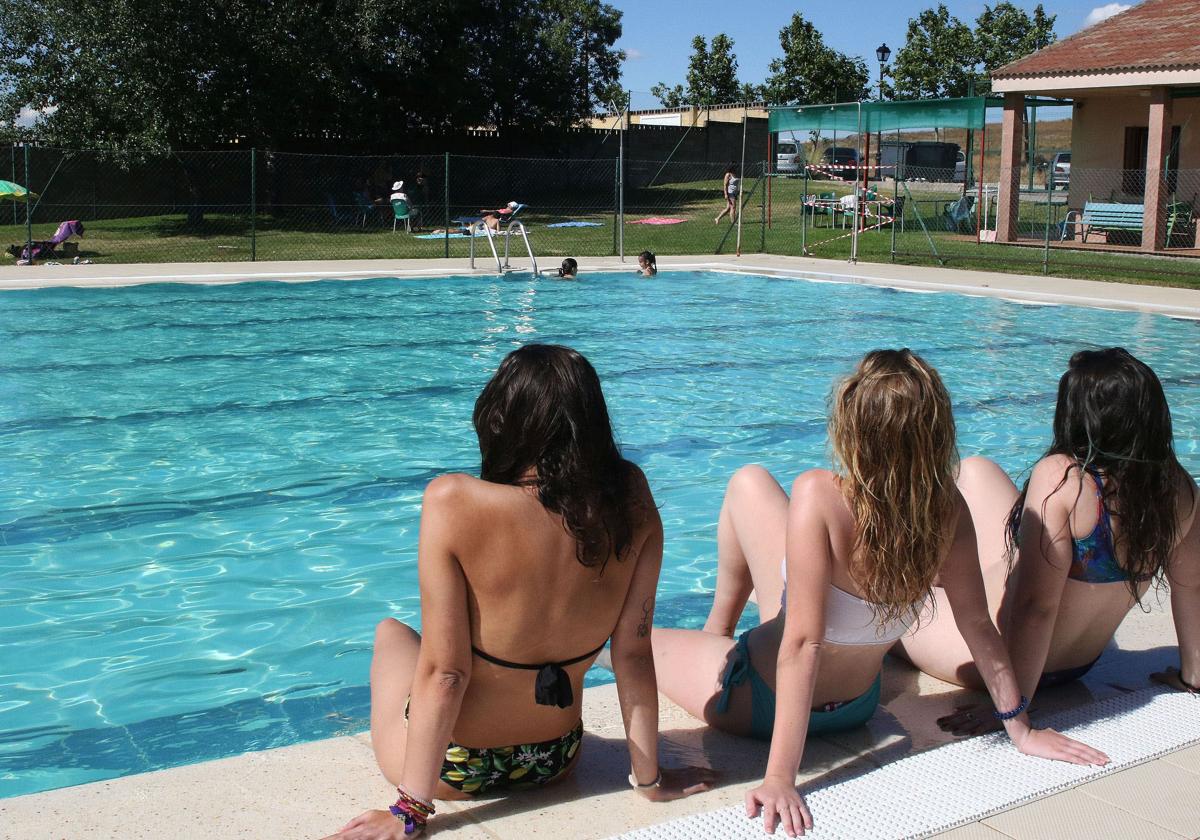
column 15, row 191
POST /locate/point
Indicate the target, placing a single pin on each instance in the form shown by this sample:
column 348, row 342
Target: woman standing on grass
column 1107, row 511
column 841, row 569
column 525, row 573
column 731, row 187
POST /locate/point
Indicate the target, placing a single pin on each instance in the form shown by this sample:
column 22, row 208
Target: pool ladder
column 514, row 226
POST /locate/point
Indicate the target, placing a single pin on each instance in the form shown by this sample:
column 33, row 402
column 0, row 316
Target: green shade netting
column 967, row 112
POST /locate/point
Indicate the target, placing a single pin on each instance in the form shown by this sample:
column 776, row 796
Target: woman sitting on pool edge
column 499, row 672
column 647, row 266
column 1106, row 511
column 860, row 549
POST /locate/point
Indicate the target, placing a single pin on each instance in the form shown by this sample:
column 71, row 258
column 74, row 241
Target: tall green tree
column 1004, row 33
column 938, row 58
column 809, row 71
column 136, row 74
column 711, row 76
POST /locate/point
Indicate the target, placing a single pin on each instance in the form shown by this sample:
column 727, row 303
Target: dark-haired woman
column 525, row 573
column 841, row 570
column 1106, row 512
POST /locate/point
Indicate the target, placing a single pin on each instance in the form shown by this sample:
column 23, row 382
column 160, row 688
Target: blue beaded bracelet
column 1010, row 715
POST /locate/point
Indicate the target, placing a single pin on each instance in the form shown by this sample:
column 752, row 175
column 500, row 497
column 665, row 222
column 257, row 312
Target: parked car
column 841, row 156
column 1060, row 171
column 787, row 156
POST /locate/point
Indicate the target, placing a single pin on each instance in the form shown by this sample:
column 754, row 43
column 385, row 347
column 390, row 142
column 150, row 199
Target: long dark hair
column 1112, row 418
column 543, row 409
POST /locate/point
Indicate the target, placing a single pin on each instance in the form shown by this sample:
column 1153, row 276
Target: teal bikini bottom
column 835, row 717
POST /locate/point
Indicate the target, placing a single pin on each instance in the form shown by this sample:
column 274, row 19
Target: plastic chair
column 401, row 212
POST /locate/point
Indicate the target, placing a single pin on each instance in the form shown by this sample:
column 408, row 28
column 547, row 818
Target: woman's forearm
column 637, row 691
column 795, row 677
column 433, row 710
column 997, row 672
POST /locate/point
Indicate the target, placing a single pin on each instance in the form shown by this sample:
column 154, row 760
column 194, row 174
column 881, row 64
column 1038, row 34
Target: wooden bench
column 1097, row 216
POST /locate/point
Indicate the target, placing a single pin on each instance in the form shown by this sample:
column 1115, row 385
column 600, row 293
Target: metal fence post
column 804, row 213
column 446, row 205
column 253, row 206
column 895, row 215
column 616, row 200
column 621, row 186
column 28, row 209
column 13, row 154
column 762, row 205
column 1046, row 241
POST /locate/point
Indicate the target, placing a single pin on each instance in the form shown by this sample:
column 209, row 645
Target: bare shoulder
column 1056, row 475
column 1187, row 500
column 452, row 490
column 641, row 498
column 816, row 486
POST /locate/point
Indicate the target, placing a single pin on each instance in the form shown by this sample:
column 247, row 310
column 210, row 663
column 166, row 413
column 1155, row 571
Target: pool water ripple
column 209, row 495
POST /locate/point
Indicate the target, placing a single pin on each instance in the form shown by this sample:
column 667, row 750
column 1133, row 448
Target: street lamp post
column 883, row 53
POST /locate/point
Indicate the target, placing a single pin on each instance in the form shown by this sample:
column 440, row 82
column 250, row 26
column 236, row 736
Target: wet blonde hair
column 893, row 437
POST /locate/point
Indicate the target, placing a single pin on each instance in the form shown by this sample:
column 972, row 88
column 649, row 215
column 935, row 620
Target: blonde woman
column 841, row 570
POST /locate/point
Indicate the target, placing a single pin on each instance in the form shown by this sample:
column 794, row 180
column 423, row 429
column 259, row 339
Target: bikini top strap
column 553, row 685
column 1101, row 508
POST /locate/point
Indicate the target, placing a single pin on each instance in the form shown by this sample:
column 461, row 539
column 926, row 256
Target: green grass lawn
column 227, row 237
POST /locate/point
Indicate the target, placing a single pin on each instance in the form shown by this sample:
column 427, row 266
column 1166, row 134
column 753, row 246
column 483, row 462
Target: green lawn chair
column 824, row 206
column 402, row 211
column 1180, row 221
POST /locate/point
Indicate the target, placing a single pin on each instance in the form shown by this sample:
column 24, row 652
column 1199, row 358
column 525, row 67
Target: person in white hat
column 398, row 193
column 492, row 218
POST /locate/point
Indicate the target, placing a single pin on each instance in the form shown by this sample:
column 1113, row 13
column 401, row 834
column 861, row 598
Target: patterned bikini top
column 1094, row 558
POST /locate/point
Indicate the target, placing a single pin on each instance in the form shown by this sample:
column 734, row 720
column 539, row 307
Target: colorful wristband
column 998, row 715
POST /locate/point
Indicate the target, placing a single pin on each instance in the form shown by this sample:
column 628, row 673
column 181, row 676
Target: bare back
column 530, row 601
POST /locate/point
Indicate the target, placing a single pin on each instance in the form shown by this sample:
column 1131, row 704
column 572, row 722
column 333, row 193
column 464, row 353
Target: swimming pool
column 209, row 494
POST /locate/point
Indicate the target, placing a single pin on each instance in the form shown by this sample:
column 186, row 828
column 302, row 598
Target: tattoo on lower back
column 643, row 629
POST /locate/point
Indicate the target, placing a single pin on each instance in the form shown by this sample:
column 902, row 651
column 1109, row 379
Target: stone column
column 1158, row 146
column 1012, row 144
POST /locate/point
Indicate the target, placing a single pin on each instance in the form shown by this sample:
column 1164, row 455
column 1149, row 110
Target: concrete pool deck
column 310, row 790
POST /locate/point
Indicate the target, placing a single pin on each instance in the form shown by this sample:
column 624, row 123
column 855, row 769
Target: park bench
column 1101, row 216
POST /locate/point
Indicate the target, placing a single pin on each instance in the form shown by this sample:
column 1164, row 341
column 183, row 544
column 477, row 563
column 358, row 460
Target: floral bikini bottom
column 484, row 769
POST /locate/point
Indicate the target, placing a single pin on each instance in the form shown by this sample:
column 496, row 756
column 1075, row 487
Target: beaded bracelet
column 411, row 811
column 998, row 715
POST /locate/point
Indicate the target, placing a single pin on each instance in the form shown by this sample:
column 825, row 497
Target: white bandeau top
column 850, row 620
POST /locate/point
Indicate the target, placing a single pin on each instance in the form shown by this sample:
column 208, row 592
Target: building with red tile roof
column 1134, row 80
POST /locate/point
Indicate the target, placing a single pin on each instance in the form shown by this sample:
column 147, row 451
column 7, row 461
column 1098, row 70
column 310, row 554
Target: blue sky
column 658, row 33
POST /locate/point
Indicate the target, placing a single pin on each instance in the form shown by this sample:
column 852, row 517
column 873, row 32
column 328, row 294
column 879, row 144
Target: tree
column 938, row 58
column 711, row 76
column 132, row 74
column 810, row 71
column 1004, row 33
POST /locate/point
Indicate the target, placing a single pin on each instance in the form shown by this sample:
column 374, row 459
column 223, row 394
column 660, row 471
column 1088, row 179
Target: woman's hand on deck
column 781, row 805
column 678, row 783
column 1046, row 743
column 374, row 825
column 1174, row 679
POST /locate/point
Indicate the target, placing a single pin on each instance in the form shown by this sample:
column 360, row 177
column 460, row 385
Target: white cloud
column 634, row 54
column 1104, row 13
column 28, row 116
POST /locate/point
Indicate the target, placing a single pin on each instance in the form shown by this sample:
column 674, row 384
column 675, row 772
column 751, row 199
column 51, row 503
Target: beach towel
column 657, row 220
column 575, row 224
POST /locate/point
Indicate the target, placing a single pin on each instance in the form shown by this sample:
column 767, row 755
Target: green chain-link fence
column 254, row 205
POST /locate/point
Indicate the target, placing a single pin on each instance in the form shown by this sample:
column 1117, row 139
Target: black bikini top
column 553, row 686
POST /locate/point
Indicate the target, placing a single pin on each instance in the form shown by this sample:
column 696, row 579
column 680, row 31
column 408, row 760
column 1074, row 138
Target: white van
column 787, row 156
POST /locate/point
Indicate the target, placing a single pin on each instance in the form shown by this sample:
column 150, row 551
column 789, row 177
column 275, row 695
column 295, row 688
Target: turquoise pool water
column 209, row 494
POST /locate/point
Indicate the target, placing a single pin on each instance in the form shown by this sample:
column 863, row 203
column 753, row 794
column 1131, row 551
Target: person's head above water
column 647, row 264
column 542, row 421
column 569, row 268
column 1112, row 418
column 893, row 438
